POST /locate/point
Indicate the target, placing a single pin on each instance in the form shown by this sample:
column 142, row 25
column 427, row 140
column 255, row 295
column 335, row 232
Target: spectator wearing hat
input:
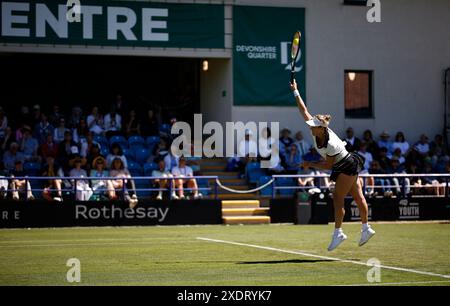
column 353, row 142
column 384, row 141
column 50, row 169
column 20, row 184
column 29, row 146
column 12, row 156
column 83, row 191
column 99, row 185
column 400, row 143
column 43, row 129
column 183, row 175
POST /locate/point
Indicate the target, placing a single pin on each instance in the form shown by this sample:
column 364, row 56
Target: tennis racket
column 295, row 50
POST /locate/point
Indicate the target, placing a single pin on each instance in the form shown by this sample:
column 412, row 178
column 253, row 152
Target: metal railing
column 400, row 177
column 74, row 184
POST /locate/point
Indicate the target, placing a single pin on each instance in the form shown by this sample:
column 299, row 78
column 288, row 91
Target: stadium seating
column 152, row 140
column 136, row 142
column 134, row 168
column 165, row 128
column 149, row 167
column 268, row 190
column 122, row 141
column 142, row 155
column 129, row 154
column 254, row 172
column 32, row 169
column 285, row 181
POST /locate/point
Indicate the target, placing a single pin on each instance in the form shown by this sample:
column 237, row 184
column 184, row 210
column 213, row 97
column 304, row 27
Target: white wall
column 408, row 52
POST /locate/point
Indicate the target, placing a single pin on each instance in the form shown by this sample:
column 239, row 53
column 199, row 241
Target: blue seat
column 149, row 168
column 143, row 184
column 153, row 140
column 31, row 168
column 101, row 140
column 134, row 168
column 104, row 150
column 122, row 141
column 136, row 141
column 268, row 190
column 203, row 183
column 254, row 172
column 129, row 154
column 142, row 155
column 165, row 128
column 285, row 182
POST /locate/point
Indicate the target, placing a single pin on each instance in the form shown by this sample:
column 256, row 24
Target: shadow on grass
column 300, row 261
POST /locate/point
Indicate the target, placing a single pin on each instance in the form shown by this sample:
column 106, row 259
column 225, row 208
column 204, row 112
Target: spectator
column 372, row 146
column 422, row 146
column 183, row 175
column 353, row 142
column 437, row 146
column 49, row 148
column 36, row 117
column 398, row 154
column 396, row 168
column 43, row 129
column 25, row 117
column 120, row 106
column 75, row 117
column 302, row 145
column 88, row 144
column 384, row 142
column 247, row 151
column 133, row 125
column 285, row 141
column 12, row 156
column 50, row 169
column 381, row 182
column 383, row 159
column 55, row 115
column 3, row 124
column 163, row 181
column 367, row 156
column 116, row 152
column 59, row 132
column 82, row 190
column 113, row 123
column 8, row 140
column 81, row 132
column 160, row 151
column 98, row 185
column 312, row 155
column 293, row 159
column 65, row 149
column 123, row 181
column 95, row 122
column 150, row 125
column 401, row 143
column 307, row 181
column 171, row 161
column 269, row 151
column 18, row 185
column 93, row 151
column 29, row 146
column 431, row 184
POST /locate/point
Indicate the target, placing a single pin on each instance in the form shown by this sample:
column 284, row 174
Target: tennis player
column 345, row 168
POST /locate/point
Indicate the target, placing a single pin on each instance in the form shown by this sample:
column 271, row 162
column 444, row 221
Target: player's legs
column 367, row 232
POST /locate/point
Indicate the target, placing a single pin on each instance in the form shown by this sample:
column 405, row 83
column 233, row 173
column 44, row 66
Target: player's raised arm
column 301, row 105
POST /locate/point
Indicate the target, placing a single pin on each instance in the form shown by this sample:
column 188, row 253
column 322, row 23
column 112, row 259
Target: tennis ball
column 296, row 41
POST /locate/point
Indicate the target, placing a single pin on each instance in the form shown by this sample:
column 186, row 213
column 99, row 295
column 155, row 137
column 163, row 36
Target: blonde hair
column 325, row 119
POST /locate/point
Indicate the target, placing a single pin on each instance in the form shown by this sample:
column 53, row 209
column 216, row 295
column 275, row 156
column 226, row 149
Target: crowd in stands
column 385, row 155
column 118, row 144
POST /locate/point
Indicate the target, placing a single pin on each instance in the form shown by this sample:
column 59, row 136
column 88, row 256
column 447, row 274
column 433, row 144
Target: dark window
column 355, row 2
column 358, row 94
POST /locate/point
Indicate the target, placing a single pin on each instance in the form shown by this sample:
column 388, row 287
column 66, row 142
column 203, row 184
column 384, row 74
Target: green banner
column 261, row 55
column 113, row 23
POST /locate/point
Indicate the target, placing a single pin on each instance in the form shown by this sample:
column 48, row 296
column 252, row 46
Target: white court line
column 322, row 257
column 393, row 284
column 85, row 244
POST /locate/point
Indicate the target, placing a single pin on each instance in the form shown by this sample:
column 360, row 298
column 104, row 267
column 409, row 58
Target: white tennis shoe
column 337, row 239
column 366, row 235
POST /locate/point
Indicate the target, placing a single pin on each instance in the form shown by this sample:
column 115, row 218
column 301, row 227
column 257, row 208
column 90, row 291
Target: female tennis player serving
column 345, row 168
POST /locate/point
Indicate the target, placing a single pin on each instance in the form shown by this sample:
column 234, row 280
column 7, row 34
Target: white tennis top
column 335, row 147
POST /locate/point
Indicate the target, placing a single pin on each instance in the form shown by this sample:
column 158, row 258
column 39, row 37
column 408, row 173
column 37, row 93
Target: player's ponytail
column 325, row 119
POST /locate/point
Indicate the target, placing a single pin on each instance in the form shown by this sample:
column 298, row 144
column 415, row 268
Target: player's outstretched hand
column 294, row 85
